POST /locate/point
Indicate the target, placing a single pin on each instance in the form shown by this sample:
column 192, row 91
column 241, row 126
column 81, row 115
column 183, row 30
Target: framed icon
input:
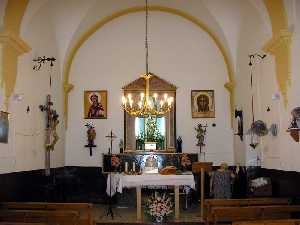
column 203, row 103
column 95, row 104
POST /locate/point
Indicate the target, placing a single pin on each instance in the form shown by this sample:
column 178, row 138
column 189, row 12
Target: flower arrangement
column 115, row 161
column 159, row 207
column 185, row 161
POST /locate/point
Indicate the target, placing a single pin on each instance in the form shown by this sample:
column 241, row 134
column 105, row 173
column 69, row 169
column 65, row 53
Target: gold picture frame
column 203, row 103
column 95, row 104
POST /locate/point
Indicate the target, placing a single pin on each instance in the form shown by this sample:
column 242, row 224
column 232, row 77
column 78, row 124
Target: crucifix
column 51, row 134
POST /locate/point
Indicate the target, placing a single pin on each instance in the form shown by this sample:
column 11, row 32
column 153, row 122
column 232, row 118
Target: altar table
column 121, row 181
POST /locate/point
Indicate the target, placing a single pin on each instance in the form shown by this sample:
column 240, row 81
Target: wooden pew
column 20, row 223
column 84, row 209
column 268, row 222
column 230, row 214
column 210, row 203
column 61, row 217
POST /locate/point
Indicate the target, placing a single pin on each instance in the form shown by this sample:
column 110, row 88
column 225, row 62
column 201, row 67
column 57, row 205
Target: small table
column 139, row 181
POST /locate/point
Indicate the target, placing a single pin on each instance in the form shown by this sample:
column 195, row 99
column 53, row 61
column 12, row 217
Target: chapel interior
column 149, row 111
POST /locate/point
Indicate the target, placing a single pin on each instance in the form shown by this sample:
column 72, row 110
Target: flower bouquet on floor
column 159, row 207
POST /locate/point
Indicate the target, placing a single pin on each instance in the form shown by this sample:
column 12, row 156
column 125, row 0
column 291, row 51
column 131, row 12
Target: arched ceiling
column 71, row 18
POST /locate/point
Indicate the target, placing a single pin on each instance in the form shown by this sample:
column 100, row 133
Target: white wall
column 180, row 53
column 279, row 152
column 25, row 150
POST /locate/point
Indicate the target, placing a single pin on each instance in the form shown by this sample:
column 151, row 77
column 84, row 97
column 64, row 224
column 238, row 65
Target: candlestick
column 133, row 166
column 126, row 167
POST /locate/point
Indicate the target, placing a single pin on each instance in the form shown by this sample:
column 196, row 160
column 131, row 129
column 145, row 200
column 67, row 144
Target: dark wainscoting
column 88, row 184
column 66, row 184
column 284, row 183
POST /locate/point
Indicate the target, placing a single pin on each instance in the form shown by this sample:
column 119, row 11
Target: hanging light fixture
column 147, row 105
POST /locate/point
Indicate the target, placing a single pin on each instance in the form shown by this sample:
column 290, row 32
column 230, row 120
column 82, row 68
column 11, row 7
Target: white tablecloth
column 120, row 181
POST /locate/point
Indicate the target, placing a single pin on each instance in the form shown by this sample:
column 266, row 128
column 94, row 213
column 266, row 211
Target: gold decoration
column 11, row 46
column 98, row 25
column 280, row 45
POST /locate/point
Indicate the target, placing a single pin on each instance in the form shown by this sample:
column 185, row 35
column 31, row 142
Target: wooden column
column 138, row 203
column 202, row 167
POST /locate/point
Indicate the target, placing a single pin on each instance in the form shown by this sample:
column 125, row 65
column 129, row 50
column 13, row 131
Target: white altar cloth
column 120, row 181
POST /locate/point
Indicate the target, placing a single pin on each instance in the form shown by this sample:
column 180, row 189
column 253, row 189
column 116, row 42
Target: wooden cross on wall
column 51, row 135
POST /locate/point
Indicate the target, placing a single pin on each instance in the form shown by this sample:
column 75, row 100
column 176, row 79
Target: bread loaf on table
column 168, row 170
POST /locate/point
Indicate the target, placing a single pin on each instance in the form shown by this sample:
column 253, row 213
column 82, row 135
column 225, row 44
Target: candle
column 126, row 167
column 133, row 166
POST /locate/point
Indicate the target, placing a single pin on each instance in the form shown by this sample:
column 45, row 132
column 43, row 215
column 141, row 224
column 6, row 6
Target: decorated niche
column 140, row 131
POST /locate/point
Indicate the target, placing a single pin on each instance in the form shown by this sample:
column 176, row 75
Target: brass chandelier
column 147, row 105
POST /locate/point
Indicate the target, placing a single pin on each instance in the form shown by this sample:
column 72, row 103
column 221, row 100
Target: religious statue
column 179, row 144
column 151, row 165
column 91, row 135
column 200, row 135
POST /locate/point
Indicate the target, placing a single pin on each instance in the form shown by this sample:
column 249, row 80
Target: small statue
column 179, row 144
column 121, row 145
column 201, row 132
column 91, row 135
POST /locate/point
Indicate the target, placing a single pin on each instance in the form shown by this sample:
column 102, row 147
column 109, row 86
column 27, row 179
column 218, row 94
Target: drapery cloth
column 120, row 181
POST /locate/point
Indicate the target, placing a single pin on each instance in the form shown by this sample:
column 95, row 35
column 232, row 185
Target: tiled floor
column 128, row 215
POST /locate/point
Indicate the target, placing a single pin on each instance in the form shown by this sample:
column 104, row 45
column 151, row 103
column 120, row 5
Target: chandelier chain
column 146, row 39
column 147, row 105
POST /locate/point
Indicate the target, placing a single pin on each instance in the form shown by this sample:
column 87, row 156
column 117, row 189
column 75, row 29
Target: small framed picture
column 4, row 127
column 95, row 104
column 203, row 103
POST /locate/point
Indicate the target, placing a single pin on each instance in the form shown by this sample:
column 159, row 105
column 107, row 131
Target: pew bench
column 269, row 222
column 211, row 203
column 84, row 209
column 20, row 223
column 57, row 217
column 230, row 214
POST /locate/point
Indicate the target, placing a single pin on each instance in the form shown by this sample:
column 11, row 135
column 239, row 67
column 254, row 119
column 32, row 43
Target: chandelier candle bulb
column 124, row 100
column 161, row 103
column 147, row 106
column 165, row 97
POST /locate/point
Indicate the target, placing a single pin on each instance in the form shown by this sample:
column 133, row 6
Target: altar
column 121, row 181
column 137, row 159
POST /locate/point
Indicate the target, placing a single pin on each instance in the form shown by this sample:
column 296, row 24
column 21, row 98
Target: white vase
column 159, row 219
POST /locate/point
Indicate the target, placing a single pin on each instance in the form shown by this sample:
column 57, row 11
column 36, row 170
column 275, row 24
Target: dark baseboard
column 88, row 184
column 65, row 184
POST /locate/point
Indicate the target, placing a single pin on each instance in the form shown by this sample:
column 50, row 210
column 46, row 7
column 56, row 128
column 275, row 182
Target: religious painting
column 95, row 104
column 203, row 103
column 4, row 125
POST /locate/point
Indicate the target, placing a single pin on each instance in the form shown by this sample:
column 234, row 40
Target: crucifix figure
column 51, row 134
